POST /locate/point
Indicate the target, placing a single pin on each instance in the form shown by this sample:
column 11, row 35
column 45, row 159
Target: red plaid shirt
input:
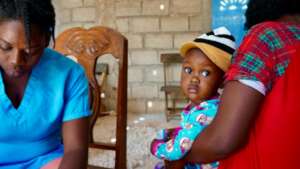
column 265, row 53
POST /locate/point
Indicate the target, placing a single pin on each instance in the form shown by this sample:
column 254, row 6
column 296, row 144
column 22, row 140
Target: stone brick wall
column 152, row 27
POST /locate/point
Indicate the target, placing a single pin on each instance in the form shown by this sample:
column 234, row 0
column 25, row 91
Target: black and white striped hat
column 218, row 45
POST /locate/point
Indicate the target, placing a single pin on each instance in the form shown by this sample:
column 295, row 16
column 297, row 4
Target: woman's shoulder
column 52, row 55
column 56, row 60
column 272, row 27
column 270, row 35
column 267, row 24
column 60, row 69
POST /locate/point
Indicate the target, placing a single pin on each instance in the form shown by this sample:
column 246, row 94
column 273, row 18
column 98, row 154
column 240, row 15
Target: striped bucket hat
column 218, row 45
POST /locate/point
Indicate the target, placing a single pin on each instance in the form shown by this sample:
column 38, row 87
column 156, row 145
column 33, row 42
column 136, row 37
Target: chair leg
column 173, row 106
column 167, row 112
column 121, row 143
column 120, row 160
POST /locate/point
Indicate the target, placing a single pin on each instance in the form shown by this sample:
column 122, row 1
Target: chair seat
column 102, row 145
column 95, row 167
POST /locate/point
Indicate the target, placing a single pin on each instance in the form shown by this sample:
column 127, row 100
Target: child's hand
column 172, row 132
column 167, row 134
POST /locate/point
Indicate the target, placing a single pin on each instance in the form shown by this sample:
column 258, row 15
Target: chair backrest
column 86, row 45
column 172, row 90
column 168, row 59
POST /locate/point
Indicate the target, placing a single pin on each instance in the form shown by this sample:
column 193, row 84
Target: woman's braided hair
column 33, row 12
column 268, row 10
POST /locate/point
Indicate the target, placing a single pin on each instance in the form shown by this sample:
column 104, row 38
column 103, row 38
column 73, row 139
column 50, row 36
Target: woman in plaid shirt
column 256, row 126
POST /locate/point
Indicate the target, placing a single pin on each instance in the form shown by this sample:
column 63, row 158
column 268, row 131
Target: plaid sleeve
column 254, row 60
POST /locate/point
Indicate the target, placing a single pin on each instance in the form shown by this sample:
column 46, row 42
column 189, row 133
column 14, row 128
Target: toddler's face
column 200, row 78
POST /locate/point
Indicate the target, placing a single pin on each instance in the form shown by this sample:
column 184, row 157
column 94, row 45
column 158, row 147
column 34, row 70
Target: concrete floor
column 141, row 129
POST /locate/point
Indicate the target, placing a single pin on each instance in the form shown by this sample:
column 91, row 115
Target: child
column 206, row 59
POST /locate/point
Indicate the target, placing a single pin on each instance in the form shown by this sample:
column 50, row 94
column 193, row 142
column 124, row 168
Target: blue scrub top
column 56, row 92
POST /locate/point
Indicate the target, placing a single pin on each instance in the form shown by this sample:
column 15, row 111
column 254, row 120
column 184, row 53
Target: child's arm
column 177, row 147
column 162, row 137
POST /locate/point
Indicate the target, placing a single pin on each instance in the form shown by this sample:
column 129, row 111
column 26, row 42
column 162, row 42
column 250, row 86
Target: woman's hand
column 75, row 139
column 179, row 164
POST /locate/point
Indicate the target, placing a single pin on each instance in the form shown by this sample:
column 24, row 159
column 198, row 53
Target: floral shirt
column 175, row 145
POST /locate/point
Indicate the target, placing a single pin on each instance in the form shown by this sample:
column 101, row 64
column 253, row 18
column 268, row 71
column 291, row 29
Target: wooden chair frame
column 172, row 92
column 86, row 46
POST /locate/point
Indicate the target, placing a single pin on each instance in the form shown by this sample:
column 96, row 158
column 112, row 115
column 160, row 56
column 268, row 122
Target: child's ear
column 220, row 91
column 222, row 85
column 223, row 81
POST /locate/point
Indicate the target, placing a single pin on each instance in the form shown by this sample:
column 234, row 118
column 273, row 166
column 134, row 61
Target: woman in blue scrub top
column 44, row 105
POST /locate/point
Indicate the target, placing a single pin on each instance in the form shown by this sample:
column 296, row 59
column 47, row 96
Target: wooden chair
column 173, row 93
column 86, row 46
column 101, row 75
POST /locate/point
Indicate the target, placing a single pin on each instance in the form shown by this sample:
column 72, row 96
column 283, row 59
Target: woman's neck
column 15, row 82
column 15, row 88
